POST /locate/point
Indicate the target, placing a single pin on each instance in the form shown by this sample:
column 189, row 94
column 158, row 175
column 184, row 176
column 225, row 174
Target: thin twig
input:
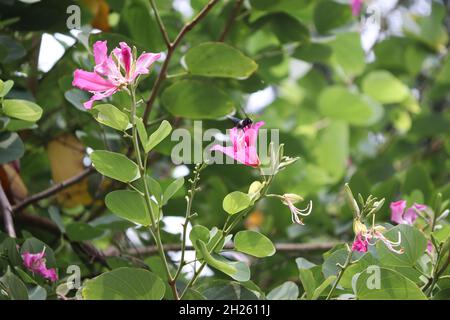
column 161, row 26
column 7, row 213
column 231, row 20
column 52, row 190
column 171, row 48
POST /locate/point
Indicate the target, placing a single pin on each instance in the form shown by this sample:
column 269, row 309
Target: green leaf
column 5, row 87
column 306, row 276
column 235, row 202
column 313, row 52
column 286, row 291
column 80, row 231
column 115, row 165
column 329, row 15
column 38, row 293
column 141, row 24
column 11, row 147
column 348, row 54
column 159, row 135
column 377, row 283
column 339, row 103
column 320, row 289
column 199, row 232
column 111, row 116
column 418, row 178
column 238, row 270
column 142, row 132
column 22, row 109
column 125, row 284
column 15, row 288
column 254, row 243
column 384, row 87
column 194, row 99
column 155, row 189
column 413, row 243
column 217, row 59
column 172, row 189
column 130, row 205
column 332, row 149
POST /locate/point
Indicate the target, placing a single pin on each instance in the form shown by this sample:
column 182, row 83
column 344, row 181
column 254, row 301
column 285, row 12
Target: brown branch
column 52, row 190
column 281, row 247
column 7, row 213
column 231, row 20
column 171, row 49
column 160, row 24
column 49, row 226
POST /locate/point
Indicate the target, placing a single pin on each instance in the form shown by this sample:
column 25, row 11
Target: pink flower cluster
column 113, row 72
column 35, row 262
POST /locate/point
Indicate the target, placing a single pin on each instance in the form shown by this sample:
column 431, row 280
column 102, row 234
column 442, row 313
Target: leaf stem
column 154, row 228
column 341, row 273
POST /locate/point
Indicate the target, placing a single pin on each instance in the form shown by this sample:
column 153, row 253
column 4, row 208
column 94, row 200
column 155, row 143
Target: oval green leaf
column 130, row 205
column 159, row 135
column 236, row 201
column 254, row 243
column 111, row 116
column 384, row 87
column 22, row 109
column 115, row 165
column 194, row 99
column 341, row 104
column 238, row 270
column 125, row 284
column 377, row 283
column 217, row 59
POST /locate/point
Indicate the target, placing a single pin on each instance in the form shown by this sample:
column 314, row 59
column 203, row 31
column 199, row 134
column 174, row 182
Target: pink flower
column 356, row 7
column 360, row 244
column 35, row 262
column 243, row 147
column 401, row 216
column 113, row 72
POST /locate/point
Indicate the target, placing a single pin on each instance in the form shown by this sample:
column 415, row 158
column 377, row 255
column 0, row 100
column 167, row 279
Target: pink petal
column 90, row 81
column 50, row 274
column 356, row 7
column 100, row 51
column 144, row 61
column 397, row 209
column 410, row 216
column 99, row 96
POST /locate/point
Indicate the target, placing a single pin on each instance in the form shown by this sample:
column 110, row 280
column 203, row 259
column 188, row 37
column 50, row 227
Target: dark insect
column 241, row 123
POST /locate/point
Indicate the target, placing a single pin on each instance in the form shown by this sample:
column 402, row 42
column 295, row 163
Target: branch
column 171, row 48
column 161, row 26
column 7, row 213
column 231, row 20
column 281, row 247
column 52, row 190
column 48, row 225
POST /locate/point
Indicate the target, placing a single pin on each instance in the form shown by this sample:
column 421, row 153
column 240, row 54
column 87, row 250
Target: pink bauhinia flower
column 401, row 215
column 112, row 73
column 356, row 6
column 35, row 262
column 243, row 148
column 360, row 244
column 364, row 236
